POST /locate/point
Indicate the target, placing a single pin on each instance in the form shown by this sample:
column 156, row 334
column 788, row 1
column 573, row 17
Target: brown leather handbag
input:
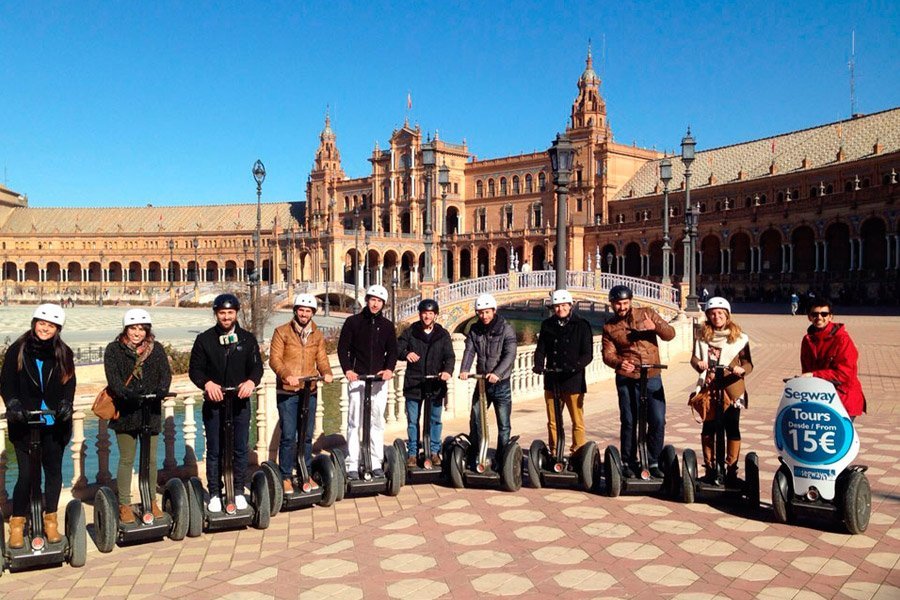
column 700, row 403
column 104, row 406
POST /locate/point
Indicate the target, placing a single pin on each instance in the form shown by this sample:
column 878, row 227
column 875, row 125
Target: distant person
column 828, row 352
column 795, row 303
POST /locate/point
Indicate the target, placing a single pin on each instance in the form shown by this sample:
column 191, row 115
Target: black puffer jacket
column 494, row 345
column 228, row 366
column 436, row 355
column 155, row 378
column 25, row 386
column 568, row 346
column 368, row 344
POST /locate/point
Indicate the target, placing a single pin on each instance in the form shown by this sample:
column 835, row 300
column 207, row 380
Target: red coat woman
column 828, row 352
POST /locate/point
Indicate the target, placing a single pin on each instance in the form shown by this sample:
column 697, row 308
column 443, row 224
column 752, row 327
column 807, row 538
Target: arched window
column 491, row 190
column 346, row 204
column 479, row 189
column 536, row 215
column 813, row 192
column 515, row 184
column 503, row 186
column 508, row 216
column 528, row 187
column 542, row 181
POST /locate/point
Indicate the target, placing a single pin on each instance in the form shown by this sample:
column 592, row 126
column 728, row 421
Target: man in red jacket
column 828, row 352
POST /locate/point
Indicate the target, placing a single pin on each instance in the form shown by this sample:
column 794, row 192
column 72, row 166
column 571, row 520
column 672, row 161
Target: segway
column 256, row 514
column 718, row 484
column 816, row 443
column 38, row 551
column 322, row 469
column 424, row 470
column 581, row 469
column 643, row 483
column 458, row 450
column 368, row 483
column 174, row 523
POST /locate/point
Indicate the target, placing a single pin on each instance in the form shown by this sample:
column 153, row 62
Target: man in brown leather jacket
column 630, row 340
column 297, row 351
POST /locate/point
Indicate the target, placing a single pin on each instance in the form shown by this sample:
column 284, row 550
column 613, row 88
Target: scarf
column 301, row 331
column 138, row 352
column 40, row 349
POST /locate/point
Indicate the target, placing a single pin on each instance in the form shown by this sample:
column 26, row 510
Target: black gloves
column 131, row 400
column 537, row 369
column 64, row 412
column 15, row 413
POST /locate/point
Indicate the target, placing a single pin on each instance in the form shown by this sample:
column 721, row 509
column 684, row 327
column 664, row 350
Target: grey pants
column 128, row 449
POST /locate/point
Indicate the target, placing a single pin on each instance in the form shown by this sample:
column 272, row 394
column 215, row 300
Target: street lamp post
column 355, row 257
column 6, row 280
column 609, row 259
column 367, row 277
column 171, row 266
column 444, row 180
column 259, row 174
column 395, row 280
column 665, row 174
column 196, row 245
column 100, row 301
column 428, row 162
column 562, row 154
column 690, row 223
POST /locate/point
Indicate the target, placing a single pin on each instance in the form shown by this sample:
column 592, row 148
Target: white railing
column 545, row 281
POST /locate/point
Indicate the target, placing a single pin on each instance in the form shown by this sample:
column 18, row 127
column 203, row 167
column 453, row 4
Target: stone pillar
column 824, row 256
column 859, row 255
column 699, row 262
column 852, row 254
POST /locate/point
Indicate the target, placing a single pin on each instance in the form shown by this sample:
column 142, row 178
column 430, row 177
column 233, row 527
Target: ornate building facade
column 814, row 208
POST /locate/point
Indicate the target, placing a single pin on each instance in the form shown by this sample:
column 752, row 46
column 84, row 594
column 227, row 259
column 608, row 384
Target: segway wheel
column 106, row 520
column 688, row 476
column 857, row 502
column 196, row 510
column 394, row 470
column 259, row 495
column 175, row 502
column 535, row 463
column 276, row 489
column 590, row 459
column 76, row 534
column 323, row 473
column 457, row 465
column 401, row 450
column 782, row 493
column 2, row 546
column 751, row 480
column 612, row 470
column 671, row 478
column 511, row 472
column 337, row 461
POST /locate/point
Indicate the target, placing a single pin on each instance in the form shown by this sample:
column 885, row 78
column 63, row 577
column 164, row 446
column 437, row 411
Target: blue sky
column 123, row 104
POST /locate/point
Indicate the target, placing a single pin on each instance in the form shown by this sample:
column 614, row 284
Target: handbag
column 700, row 403
column 104, row 406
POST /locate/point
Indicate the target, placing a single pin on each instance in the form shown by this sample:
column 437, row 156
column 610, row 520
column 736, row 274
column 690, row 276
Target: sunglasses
column 819, row 314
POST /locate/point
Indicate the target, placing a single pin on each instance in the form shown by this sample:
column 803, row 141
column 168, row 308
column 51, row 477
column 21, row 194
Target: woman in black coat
column 39, row 374
column 136, row 366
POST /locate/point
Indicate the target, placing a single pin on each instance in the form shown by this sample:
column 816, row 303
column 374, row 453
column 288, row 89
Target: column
column 784, row 258
column 824, row 256
column 730, row 258
column 42, row 275
column 723, row 258
column 106, row 275
column 887, row 245
column 816, row 252
column 84, row 275
column 852, row 254
column 790, row 258
column 20, row 275
column 859, row 255
column 896, row 251
column 699, row 262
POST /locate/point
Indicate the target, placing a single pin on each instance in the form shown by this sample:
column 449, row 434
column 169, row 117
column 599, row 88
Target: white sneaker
column 240, row 502
column 215, row 504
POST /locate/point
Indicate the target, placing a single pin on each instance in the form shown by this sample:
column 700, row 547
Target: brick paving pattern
column 432, row 541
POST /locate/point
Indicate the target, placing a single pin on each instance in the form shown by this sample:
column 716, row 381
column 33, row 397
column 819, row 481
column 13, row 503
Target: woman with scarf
column 39, row 374
column 721, row 341
column 135, row 366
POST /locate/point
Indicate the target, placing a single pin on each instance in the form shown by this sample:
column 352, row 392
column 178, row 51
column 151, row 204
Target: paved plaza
column 433, row 542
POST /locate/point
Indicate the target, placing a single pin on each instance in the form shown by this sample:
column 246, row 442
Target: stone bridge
column 456, row 300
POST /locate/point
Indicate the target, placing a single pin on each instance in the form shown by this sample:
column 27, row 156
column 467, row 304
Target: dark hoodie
column 368, row 344
column 436, row 356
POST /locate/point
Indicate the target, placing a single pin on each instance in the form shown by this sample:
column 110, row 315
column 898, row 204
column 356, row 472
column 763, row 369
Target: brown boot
column 51, row 528
column 732, row 452
column 287, row 486
column 156, row 510
column 436, row 460
column 126, row 514
column 708, row 444
column 16, row 532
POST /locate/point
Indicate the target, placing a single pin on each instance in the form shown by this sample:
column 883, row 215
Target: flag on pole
column 408, row 101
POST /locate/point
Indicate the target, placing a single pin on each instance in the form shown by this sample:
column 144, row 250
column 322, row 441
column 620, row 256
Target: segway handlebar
column 33, row 417
column 229, row 389
column 432, row 377
column 557, row 371
column 154, row 396
column 311, row 378
column 370, row 377
column 652, row 366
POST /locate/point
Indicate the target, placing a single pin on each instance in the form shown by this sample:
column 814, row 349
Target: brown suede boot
column 732, row 452
column 16, row 532
column 51, row 528
column 126, row 514
column 156, row 510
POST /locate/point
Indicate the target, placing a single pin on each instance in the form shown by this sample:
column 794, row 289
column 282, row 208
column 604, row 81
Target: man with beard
column 297, row 351
column 630, row 340
column 427, row 350
column 367, row 346
column 226, row 355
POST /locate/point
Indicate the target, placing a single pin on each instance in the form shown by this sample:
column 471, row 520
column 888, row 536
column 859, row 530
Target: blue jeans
column 500, row 395
column 288, row 413
column 214, row 423
column 413, row 410
column 629, row 394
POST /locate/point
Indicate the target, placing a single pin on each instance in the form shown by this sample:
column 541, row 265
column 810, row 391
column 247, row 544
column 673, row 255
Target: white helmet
column 136, row 316
column 561, row 297
column 718, row 302
column 379, row 291
column 52, row 313
column 485, row 301
column 307, row 300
